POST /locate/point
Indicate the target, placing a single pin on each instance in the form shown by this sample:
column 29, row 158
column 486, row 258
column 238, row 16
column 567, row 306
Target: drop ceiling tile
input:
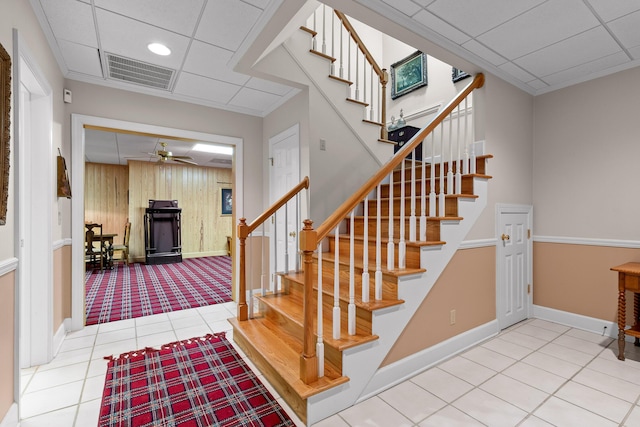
column 268, row 86
column 626, row 29
column 262, row 4
column 404, row 6
column 180, row 17
column 578, row 73
column 71, row 20
column 435, row 24
column 484, row 52
column 211, row 61
column 477, row 17
column 609, row 10
column 423, row 3
column 129, row 38
column 635, row 52
column 570, row 53
column 80, row 58
column 517, row 72
column 546, row 24
column 254, row 99
column 227, row 26
column 538, row 84
column 206, row 89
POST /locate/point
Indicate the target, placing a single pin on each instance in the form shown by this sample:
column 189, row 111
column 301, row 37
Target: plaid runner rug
column 197, row 382
column 140, row 290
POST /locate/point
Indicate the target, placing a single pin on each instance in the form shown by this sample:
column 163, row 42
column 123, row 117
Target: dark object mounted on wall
column 457, row 75
column 162, row 235
column 5, row 106
column 64, row 189
column 408, row 74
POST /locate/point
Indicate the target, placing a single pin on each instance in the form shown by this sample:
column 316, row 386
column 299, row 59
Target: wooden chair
column 94, row 250
column 124, row 248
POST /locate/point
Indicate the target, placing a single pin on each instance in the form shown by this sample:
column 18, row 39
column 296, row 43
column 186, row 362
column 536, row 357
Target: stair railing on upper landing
column 339, row 42
column 244, row 231
column 446, row 148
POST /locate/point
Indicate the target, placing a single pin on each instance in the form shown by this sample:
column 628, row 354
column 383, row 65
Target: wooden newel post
column 383, row 103
column 243, row 232
column 308, row 358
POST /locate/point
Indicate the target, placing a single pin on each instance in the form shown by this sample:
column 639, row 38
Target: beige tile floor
column 534, row 374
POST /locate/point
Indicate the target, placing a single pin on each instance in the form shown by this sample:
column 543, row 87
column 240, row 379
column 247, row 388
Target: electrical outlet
column 323, row 145
column 452, row 317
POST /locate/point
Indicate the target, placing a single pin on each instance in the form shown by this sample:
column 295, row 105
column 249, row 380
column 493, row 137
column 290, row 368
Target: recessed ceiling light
column 159, row 49
column 216, row 149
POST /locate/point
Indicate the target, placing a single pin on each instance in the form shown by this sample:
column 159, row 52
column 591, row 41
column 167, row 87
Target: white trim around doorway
column 78, row 123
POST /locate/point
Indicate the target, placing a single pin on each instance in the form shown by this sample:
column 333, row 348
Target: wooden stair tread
column 340, row 79
column 328, row 277
column 283, row 354
column 309, row 30
column 384, row 240
column 377, row 124
column 323, row 55
column 398, row 272
column 290, row 305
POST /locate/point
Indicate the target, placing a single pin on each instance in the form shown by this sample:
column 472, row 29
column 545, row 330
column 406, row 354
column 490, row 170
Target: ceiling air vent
column 141, row 73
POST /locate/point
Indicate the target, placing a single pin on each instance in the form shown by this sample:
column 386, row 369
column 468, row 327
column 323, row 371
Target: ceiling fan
column 164, row 155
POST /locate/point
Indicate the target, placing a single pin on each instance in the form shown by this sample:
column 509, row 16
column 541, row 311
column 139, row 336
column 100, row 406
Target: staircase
column 409, row 219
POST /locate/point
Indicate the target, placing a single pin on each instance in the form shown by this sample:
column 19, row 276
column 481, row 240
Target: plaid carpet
column 197, row 382
column 140, row 290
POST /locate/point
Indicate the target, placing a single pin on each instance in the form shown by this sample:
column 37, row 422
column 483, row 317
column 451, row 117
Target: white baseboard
column 11, row 418
column 578, row 321
column 61, row 333
column 410, row 366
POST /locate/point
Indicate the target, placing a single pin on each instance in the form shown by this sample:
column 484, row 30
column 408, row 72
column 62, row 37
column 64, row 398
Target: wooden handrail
column 304, row 184
column 341, row 212
column 244, row 230
column 356, row 38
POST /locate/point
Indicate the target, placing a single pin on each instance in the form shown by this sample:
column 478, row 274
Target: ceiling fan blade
column 185, row 161
column 181, row 157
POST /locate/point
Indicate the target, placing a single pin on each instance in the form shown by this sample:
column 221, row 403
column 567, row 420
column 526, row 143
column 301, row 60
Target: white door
column 514, row 264
column 285, row 174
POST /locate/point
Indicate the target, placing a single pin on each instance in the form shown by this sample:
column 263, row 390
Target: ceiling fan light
column 159, row 49
column 215, row 149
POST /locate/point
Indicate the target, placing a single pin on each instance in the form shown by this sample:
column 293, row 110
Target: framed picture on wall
column 226, row 198
column 457, row 75
column 408, row 74
column 5, row 106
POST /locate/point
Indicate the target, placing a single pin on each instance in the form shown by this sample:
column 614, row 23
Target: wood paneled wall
column 106, row 196
column 196, row 188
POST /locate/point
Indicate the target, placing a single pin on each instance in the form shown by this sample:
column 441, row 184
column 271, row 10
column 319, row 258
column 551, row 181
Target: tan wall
column 61, row 286
column 197, row 190
column 585, row 159
column 578, row 279
column 106, row 196
column 467, row 285
column 7, row 317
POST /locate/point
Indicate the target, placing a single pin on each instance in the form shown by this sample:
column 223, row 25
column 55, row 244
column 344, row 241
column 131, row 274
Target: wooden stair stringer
column 361, row 364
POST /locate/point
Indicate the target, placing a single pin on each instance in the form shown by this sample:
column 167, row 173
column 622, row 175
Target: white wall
column 585, row 159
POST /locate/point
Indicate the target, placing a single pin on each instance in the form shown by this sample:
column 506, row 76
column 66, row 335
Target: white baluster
column 313, row 39
column 341, row 52
column 378, row 276
column 458, row 178
column 357, row 97
column 351, row 312
column 423, row 194
column 333, row 26
column 402, row 247
column 324, row 29
column 390, row 244
column 432, row 178
column 320, row 332
column 371, row 109
column 412, row 196
column 441, row 197
column 286, row 238
column 466, row 142
column 365, row 253
column 450, row 165
column 264, row 276
column 336, row 287
column 472, row 166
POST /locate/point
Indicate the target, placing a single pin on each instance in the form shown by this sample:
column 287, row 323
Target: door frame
column 501, row 209
column 287, row 133
column 34, row 298
column 78, row 123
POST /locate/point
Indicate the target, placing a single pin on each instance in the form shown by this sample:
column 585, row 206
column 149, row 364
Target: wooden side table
column 628, row 280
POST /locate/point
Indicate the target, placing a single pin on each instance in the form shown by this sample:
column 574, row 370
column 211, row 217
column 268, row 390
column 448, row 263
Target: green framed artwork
column 408, row 74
